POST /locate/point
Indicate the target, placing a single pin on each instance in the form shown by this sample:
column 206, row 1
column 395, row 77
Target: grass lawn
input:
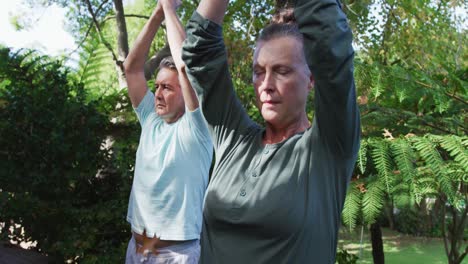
column 398, row 248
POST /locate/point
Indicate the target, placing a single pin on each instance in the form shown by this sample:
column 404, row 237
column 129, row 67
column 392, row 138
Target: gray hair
column 168, row 63
column 283, row 24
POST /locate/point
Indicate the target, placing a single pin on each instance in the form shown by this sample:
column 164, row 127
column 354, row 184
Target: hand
column 148, row 247
column 159, row 9
column 170, row 4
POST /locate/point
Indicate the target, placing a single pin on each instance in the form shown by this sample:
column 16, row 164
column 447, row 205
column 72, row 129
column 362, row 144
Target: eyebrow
column 162, row 83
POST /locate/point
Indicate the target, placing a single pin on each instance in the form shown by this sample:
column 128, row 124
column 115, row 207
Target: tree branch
column 89, row 29
column 122, row 36
column 443, row 227
column 449, row 95
column 456, row 98
column 84, row 38
column 100, row 6
column 437, row 128
column 127, row 15
column 101, row 37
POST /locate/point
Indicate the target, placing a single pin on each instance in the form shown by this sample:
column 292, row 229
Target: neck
column 275, row 134
column 173, row 119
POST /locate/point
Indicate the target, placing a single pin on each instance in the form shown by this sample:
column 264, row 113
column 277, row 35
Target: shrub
column 58, row 183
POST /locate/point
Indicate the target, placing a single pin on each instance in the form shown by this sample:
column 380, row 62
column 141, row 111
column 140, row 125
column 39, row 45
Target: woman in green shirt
column 276, row 192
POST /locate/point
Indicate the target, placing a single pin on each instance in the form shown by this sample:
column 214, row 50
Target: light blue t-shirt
column 171, row 174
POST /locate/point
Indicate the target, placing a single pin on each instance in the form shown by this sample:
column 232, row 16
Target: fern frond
column 383, row 162
column 96, row 68
column 404, row 157
column 372, row 201
column 427, row 147
column 456, row 149
column 362, row 156
column 403, row 200
column 352, row 205
column 377, row 87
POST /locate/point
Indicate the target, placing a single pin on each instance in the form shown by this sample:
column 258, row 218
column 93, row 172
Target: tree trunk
column 388, row 209
column 423, row 213
column 377, row 244
column 453, row 235
column 122, row 39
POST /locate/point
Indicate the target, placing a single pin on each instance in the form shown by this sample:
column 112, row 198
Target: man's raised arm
column 135, row 62
column 175, row 37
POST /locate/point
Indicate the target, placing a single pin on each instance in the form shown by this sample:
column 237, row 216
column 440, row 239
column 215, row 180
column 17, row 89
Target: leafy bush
column 407, row 221
column 344, row 257
column 59, row 184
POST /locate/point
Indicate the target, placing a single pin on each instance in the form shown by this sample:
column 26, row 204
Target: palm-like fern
column 352, row 205
column 456, row 148
column 95, row 66
column 383, row 163
column 408, row 170
column 362, row 156
column 373, row 200
column 427, row 148
column 405, row 159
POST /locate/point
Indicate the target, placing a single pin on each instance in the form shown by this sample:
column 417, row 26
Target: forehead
column 282, row 50
column 166, row 75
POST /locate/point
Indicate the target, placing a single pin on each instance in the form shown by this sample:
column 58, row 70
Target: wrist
column 168, row 8
column 159, row 11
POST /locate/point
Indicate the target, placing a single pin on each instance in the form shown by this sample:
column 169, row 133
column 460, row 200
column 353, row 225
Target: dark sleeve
column 205, row 57
column 329, row 53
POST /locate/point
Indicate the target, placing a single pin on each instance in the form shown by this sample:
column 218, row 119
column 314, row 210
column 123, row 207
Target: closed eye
column 283, row 70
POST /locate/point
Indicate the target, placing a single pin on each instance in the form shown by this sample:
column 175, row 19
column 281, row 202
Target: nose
column 266, row 84
column 158, row 93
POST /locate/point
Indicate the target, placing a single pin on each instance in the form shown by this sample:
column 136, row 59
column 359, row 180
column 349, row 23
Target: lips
column 270, row 102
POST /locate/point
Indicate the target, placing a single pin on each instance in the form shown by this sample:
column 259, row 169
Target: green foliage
column 344, row 257
column 58, row 184
column 372, row 200
column 410, row 70
column 407, row 170
column 93, row 68
column 362, row 157
column 427, row 147
column 383, row 163
column 352, row 205
column 407, row 221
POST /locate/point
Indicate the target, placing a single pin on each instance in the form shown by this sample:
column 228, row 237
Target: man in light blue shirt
column 174, row 154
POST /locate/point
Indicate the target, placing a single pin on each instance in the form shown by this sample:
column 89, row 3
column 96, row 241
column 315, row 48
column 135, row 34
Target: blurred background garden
column 68, row 134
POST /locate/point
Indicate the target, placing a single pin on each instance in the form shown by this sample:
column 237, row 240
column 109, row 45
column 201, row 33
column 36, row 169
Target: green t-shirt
column 278, row 203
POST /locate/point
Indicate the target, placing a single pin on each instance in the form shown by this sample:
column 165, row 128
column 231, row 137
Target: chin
column 269, row 115
column 272, row 120
column 161, row 113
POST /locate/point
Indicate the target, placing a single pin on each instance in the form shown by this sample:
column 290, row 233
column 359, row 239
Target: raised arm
column 135, row 62
column 205, row 57
column 213, row 10
column 176, row 36
column 329, row 52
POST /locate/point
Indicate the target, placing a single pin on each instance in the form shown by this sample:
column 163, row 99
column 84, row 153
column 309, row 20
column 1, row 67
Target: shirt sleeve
column 198, row 126
column 145, row 108
column 205, row 57
column 329, row 53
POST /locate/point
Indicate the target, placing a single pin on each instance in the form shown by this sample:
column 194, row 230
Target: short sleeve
column 145, row 108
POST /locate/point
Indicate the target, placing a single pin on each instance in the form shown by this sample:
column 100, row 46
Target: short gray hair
column 168, row 63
